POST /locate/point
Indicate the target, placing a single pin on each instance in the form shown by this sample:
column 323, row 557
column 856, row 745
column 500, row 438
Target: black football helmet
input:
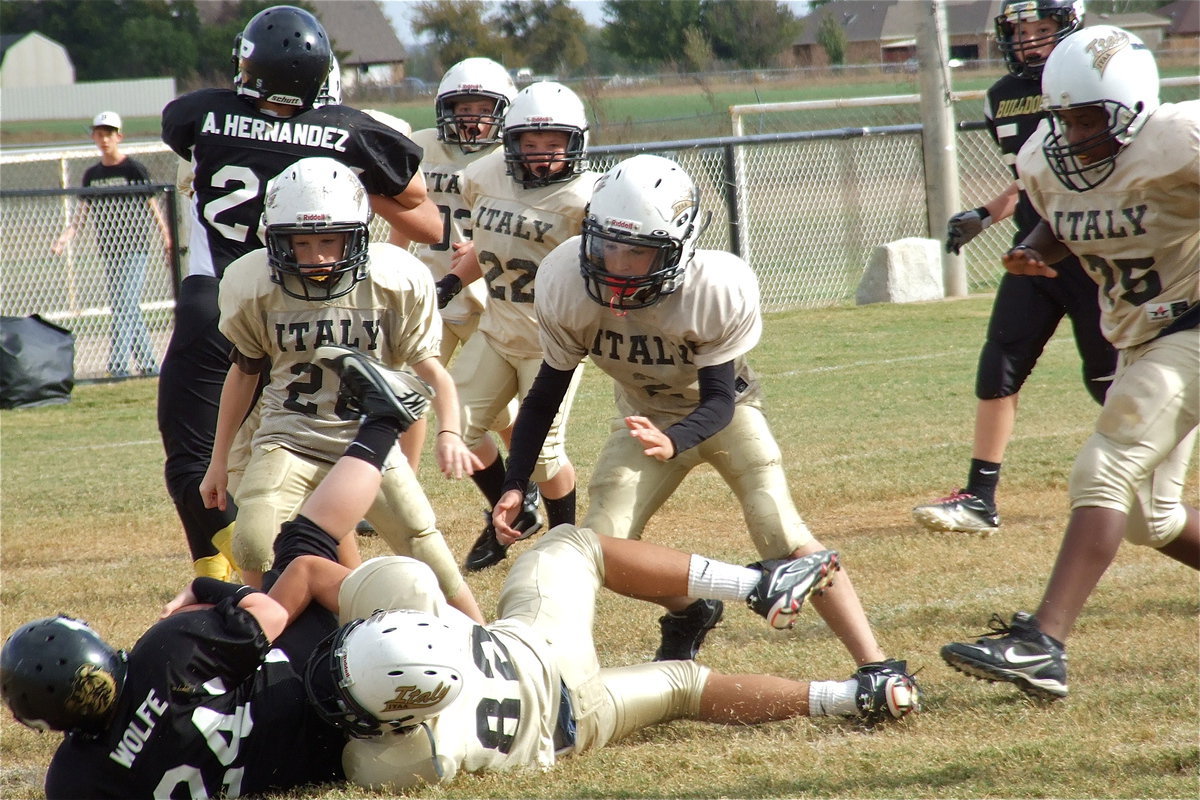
column 283, row 56
column 56, row 673
column 1067, row 13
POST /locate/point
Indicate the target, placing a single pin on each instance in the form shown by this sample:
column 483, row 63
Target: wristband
column 211, row 590
column 452, row 433
column 985, row 218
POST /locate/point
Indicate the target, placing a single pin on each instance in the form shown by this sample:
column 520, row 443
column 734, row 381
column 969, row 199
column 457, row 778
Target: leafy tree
column 832, row 37
column 546, row 35
column 156, row 37
column 649, row 31
column 751, row 33
column 697, row 53
column 460, row 29
column 153, row 46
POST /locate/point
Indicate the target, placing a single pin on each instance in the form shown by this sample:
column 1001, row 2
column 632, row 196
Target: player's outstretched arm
column 236, row 396
column 454, row 459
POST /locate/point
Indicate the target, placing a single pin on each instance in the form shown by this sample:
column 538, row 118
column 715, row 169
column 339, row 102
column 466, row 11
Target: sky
column 592, row 10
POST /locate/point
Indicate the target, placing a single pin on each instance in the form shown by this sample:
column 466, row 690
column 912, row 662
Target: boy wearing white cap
column 123, row 225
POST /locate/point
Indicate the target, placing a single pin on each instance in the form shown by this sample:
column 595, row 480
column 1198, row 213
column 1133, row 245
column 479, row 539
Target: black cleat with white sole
column 787, row 582
column 1018, row 653
column 372, row 390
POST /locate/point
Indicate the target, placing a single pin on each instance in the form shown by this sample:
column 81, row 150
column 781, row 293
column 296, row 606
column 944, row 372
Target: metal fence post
column 938, row 141
column 732, row 206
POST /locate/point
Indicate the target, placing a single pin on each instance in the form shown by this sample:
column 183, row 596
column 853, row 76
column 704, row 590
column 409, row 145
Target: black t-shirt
column 236, row 150
column 122, row 221
column 208, row 706
column 1013, row 111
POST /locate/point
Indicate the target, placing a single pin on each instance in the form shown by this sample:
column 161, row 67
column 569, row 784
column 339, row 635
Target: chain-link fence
column 806, row 209
column 110, row 283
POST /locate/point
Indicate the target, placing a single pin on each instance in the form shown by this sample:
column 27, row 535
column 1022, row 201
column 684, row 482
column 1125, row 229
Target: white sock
column 832, row 698
column 718, row 580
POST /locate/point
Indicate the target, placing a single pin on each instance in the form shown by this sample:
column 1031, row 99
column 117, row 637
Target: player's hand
column 1023, row 260
column 182, row 600
column 965, row 226
column 454, row 458
column 503, row 515
column 463, row 252
column 213, row 488
column 655, row 443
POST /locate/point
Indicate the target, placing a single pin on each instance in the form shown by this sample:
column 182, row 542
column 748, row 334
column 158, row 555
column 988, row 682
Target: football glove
column 965, row 226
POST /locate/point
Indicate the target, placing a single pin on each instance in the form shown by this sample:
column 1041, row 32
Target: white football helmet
column 330, row 93
column 1100, row 66
column 473, row 77
column 646, row 202
column 393, row 670
column 545, row 106
column 317, row 195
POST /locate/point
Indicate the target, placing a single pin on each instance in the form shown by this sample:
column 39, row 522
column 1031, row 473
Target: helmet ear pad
column 56, row 673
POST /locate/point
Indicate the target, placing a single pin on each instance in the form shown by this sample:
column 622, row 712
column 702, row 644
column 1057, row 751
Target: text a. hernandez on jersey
column 282, row 131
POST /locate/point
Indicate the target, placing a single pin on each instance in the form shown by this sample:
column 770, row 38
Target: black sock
column 375, row 439
column 560, row 510
column 490, row 480
column 983, row 479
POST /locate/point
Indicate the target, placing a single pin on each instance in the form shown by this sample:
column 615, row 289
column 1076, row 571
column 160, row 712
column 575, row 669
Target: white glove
column 965, row 226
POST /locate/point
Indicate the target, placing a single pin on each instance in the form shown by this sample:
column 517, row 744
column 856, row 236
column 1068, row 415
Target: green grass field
column 873, row 409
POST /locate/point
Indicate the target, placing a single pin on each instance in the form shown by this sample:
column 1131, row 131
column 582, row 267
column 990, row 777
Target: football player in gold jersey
column 672, row 325
column 1116, row 178
column 525, row 201
column 320, row 282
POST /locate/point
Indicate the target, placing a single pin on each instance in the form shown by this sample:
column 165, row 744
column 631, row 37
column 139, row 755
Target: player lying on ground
column 433, row 692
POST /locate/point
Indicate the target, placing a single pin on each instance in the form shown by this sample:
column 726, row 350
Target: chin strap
column 437, row 765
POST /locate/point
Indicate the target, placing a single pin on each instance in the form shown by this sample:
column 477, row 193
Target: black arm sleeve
column 714, row 412
column 533, row 423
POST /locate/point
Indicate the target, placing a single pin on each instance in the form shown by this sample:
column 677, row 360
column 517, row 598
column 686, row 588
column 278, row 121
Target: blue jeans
column 126, row 276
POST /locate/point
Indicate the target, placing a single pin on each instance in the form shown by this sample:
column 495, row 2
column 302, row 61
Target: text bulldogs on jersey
column 281, row 131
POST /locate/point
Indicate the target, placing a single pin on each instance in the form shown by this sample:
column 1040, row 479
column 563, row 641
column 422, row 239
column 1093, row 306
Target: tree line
column 111, row 39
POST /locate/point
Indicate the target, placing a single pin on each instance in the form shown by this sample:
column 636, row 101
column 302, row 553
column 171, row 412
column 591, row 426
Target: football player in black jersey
column 237, row 140
column 1026, row 311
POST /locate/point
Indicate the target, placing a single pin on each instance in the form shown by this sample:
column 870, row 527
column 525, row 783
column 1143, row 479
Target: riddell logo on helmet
column 539, row 120
column 632, row 226
column 411, row 697
column 314, row 216
column 470, row 87
column 1105, row 47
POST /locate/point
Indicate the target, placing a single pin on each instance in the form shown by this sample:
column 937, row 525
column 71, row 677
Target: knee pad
column 1154, row 526
column 387, row 583
column 1000, row 372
